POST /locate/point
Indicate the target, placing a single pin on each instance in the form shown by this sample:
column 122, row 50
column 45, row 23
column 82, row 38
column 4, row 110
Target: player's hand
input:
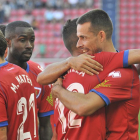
column 85, row 63
column 56, row 88
column 54, row 137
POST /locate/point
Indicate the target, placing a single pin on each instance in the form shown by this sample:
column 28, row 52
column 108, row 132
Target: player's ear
column 8, row 42
column 101, row 36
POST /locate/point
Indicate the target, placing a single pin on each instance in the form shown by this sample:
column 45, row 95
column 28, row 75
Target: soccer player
column 120, row 87
column 18, row 111
column 70, row 29
column 83, row 62
column 2, row 28
column 20, row 40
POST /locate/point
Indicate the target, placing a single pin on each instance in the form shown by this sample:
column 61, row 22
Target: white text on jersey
column 80, row 73
column 21, row 79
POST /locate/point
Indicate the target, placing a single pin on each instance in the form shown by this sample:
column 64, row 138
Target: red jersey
column 44, row 98
column 18, row 109
column 121, row 89
column 70, row 126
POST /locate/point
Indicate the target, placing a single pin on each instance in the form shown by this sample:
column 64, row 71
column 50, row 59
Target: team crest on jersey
column 37, row 91
column 103, row 84
column 50, row 99
column 115, row 74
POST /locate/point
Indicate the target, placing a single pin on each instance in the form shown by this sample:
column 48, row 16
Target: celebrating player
column 18, row 111
column 20, row 40
column 94, row 30
column 131, row 52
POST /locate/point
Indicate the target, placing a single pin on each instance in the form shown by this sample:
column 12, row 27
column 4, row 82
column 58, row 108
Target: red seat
column 81, row 12
column 123, row 40
column 49, row 34
column 11, row 19
column 21, row 12
column 13, row 12
column 66, row 12
column 49, row 26
column 35, row 12
column 57, row 27
column 42, row 26
column 42, row 12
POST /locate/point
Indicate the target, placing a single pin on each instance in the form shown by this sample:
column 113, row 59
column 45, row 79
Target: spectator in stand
column 51, row 3
column 81, row 3
column 58, row 15
column 28, row 18
column 59, row 4
column 37, row 3
column 89, row 3
column 7, row 10
column 20, row 4
column 1, row 13
column 35, row 24
column 73, row 3
column 49, row 16
column 42, row 48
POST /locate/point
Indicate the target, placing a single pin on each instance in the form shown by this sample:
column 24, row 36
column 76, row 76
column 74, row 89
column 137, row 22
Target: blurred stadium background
column 48, row 17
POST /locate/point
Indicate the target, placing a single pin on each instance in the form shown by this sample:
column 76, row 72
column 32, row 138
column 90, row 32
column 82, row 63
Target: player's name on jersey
column 80, row 73
column 21, row 79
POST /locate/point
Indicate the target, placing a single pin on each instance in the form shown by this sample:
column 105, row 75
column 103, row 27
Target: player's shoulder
column 124, row 74
column 11, row 69
column 33, row 66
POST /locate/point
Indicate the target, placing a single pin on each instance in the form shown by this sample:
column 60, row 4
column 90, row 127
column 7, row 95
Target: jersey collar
column 3, row 64
column 28, row 68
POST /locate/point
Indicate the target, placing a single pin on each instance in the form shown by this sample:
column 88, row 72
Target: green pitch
column 139, row 125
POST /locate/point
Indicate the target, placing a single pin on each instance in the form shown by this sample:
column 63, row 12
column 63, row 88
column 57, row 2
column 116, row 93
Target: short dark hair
column 10, row 28
column 2, row 28
column 3, row 44
column 99, row 21
column 69, row 34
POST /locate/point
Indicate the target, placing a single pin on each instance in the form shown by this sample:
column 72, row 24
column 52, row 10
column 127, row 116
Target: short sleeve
column 3, row 112
column 46, row 104
column 114, row 59
column 117, row 86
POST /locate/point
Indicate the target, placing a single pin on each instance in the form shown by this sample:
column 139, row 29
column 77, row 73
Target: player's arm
column 82, row 62
column 134, row 56
column 3, row 116
column 45, row 111
column 45, row 129
column 3, row 133
column 54, row 137
column 81, row 104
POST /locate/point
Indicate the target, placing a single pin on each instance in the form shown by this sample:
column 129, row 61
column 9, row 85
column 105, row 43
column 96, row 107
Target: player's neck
column 16, row 62
column 109, row 47
column 2, row 60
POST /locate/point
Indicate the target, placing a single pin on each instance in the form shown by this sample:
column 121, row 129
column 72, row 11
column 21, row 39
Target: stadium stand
column 129, row 24
column 48, row 31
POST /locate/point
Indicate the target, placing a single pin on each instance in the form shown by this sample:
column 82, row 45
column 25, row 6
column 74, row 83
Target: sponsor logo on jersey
column 103, row 84
column 37, row 91
column 40, row 68
column 115, row 74
column 50, row 99
column 10, row 69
